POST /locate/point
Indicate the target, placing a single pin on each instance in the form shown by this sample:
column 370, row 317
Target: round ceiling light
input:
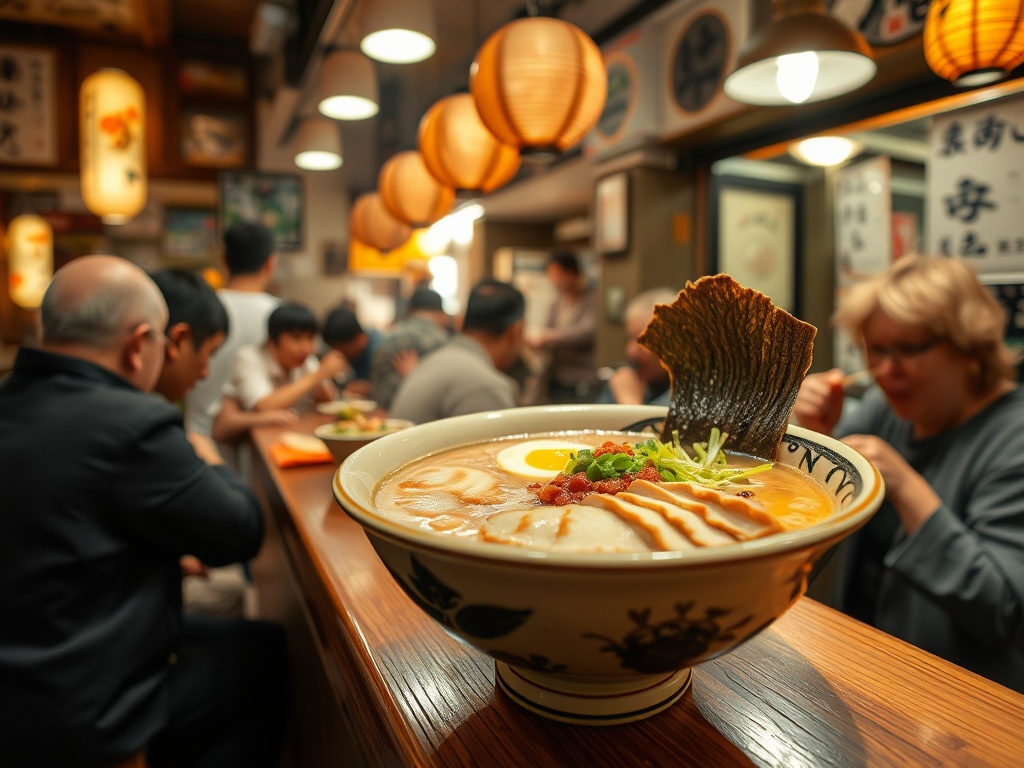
column 974, row 42
column 348, row 87
column 318, row 145
column 398, row 31
column 371, row 223
column 411, row 192
column 825, row 151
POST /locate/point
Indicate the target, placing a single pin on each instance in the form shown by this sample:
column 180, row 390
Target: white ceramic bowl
column 343, row 444
column 599, row 638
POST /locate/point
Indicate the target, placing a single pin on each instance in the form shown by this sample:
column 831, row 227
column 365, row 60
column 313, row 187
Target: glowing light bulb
column 797, row 75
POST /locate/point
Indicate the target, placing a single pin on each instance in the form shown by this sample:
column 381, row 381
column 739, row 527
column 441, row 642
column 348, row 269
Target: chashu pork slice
column 687, row 523
column 571, row 528
column 657, row 523
column 735, row 515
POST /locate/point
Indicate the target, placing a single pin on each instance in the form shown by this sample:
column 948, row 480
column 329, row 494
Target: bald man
column 102, row 494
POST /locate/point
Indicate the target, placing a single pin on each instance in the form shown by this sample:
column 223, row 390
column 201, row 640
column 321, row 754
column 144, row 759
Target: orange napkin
column 284, row 456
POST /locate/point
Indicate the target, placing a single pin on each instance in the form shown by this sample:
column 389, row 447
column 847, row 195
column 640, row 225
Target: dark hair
column 191, row 300
column 341, row 326
column 247, row 246
column 291, row 317
column 493, row 307
column 565, row 260
column 426, row 298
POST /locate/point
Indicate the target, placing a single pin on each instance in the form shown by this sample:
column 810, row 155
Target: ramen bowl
column 344, row 443
column 598, row 638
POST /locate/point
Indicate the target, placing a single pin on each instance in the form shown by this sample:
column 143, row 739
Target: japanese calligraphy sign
column 28, row 119
column 975, row 167
column 863, row 237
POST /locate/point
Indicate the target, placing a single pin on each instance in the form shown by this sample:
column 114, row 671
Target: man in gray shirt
column 464, row 376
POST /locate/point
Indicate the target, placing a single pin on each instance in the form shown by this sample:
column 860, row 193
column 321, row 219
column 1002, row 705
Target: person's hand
column 626, row 386
column 913, row 497
column 819, row 403
column 279, row 418
column 405, row 361
column 191, row 566
column 205, row 448
column 332, row 364
column 536, row 339
column 358, row 389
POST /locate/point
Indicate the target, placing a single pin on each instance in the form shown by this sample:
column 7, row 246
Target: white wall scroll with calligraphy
column 863, row 238
column 975, row 185
column 28, row 112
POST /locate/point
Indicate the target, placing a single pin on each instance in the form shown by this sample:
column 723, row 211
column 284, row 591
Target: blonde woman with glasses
column 942, row 563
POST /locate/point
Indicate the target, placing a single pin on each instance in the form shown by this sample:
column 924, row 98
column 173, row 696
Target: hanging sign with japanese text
column 28, row 115
column 975, row 170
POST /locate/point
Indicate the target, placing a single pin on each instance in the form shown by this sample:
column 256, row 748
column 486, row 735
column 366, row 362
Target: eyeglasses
column 901, row 353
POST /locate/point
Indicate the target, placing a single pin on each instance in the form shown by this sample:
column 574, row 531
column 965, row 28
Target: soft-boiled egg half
column 538, row 459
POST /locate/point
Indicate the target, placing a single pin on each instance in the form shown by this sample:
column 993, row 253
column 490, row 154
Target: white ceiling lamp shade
column 825, row 151
column 348, row 87
column 318, row 145
column 398, row 31
column 803, row 55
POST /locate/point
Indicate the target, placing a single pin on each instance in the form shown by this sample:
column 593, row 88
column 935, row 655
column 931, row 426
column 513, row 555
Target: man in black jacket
column 101, row 494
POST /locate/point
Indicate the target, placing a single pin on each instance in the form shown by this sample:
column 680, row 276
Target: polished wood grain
column 815, row 689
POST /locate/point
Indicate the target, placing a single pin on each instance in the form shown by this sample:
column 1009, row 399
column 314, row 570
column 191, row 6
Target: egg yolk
column 551, row 459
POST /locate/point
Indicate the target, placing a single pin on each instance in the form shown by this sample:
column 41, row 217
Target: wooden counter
column 815, row 689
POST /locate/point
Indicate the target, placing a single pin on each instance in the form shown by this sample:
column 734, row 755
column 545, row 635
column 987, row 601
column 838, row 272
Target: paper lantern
column 973, row 42
column 411, row 192
column 30, row 263
column 539, row 84
column 112, row 115
column 371, row 223
column 802, row 55
column 458, row 149
column 318, row 145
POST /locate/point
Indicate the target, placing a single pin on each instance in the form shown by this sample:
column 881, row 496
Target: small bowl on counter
column 345, row 436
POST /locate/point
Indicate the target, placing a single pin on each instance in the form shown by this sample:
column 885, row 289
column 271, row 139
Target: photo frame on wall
column 755, row 236
column 273, row 199
column 611, row 214
column 190, row 233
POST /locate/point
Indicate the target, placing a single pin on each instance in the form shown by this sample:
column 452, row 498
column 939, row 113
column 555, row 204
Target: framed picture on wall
column 214, row 138
column 273, row 199
column 190, row 233
column 755, row 234
column 611, row 214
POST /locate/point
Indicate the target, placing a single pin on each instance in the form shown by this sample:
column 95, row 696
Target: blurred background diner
column 277, row 151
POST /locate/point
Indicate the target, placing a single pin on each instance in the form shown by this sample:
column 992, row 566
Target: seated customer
column 465, row 375
column 645, row 379
column 941, row 564
column 424, row 329
column 343, row 332
column 197, row 323
column 102, row 495
column 282, row 374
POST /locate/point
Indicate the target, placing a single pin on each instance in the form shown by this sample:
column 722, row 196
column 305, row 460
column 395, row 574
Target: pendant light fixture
column 974, row 42
column 802, row 55
column 371, row 223
column 411, row 192
column 112, row 128
column 318, row 145
column 348, row 86
column 825, row 151
column 460, row 151
column 539, row 84
column 30, row 263
column 398, row 31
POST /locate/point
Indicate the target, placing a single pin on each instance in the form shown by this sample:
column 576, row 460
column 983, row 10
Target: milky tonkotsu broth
column 456, row 491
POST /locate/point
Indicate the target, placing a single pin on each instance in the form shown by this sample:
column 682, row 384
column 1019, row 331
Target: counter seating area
column 377, row 683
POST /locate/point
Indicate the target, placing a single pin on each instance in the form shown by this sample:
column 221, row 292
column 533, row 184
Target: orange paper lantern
column 113, row 145
column 411, row 192
column 371, row 223
column 973, row 42
column 30, row 245
column 459, row 150
column 539, row 84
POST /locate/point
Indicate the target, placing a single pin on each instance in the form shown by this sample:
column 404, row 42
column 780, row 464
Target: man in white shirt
column 251, row 261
